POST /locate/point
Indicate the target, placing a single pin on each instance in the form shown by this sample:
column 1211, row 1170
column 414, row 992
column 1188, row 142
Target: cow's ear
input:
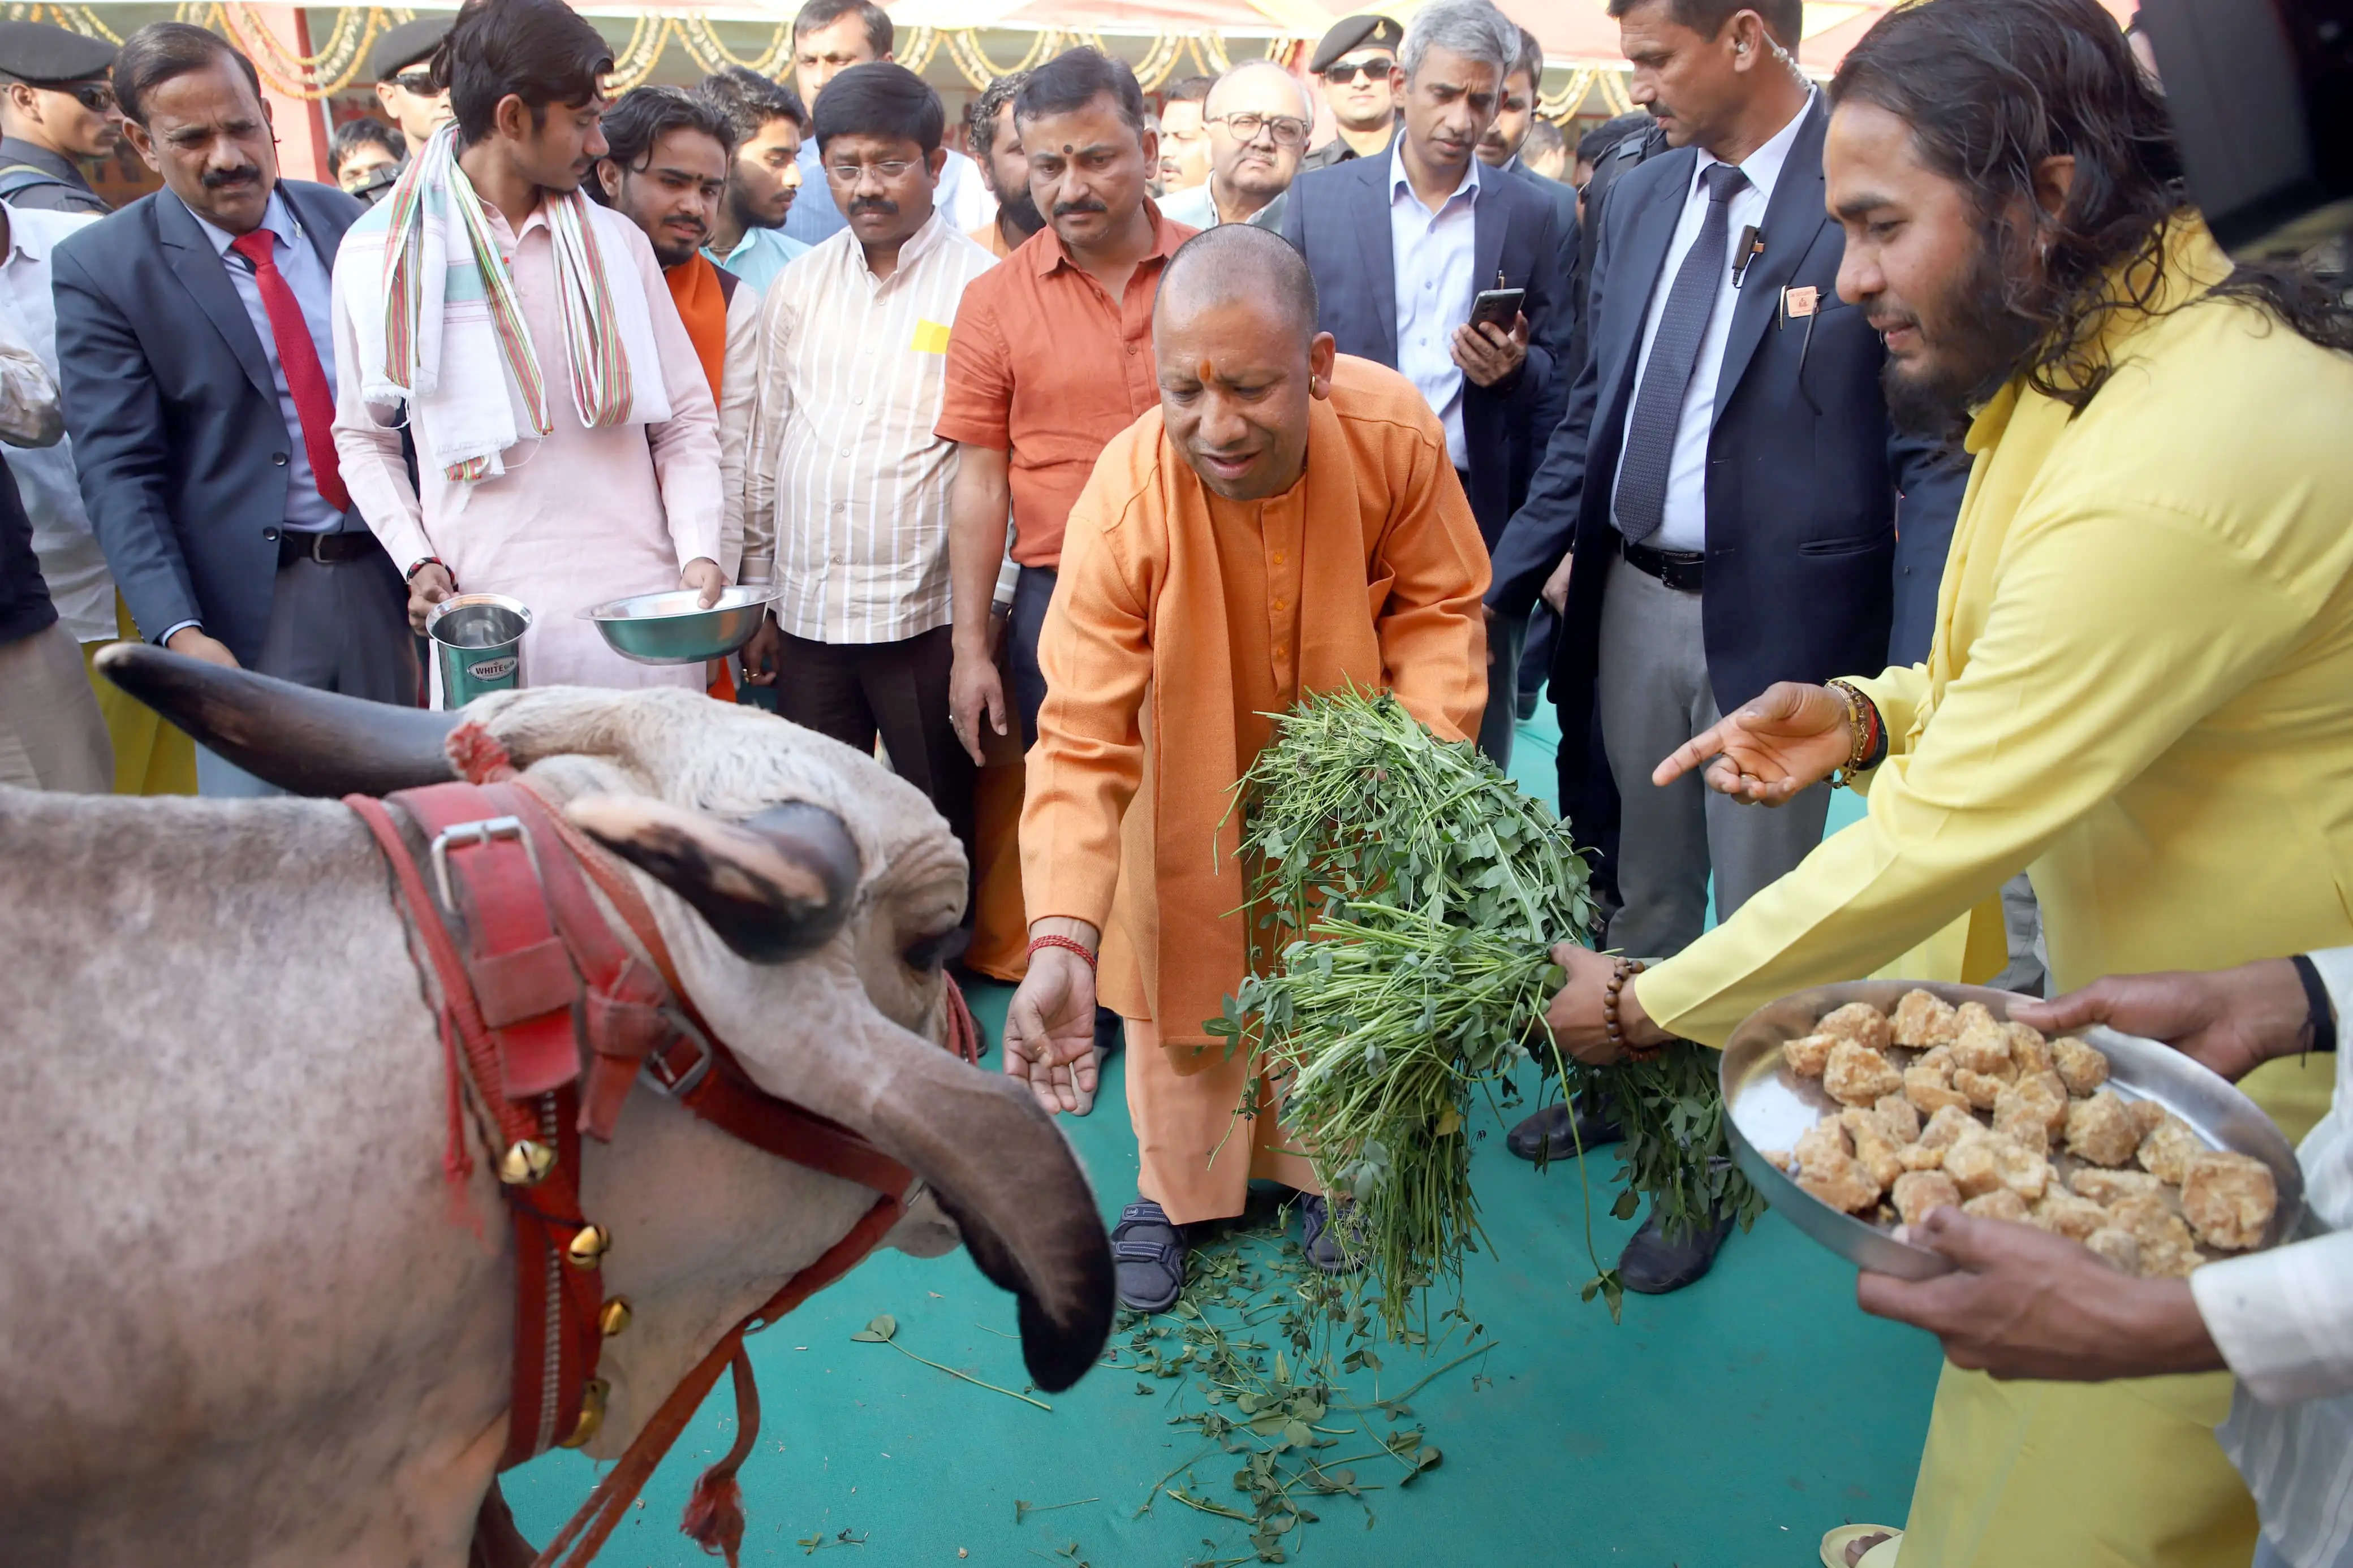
column 772, row 889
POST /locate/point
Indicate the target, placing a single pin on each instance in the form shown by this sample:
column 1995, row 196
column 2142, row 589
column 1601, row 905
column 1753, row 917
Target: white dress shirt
column 1684, row 515
column 71, row 562
column 1433, row 254
column 2283, row 1322
column 846, row 483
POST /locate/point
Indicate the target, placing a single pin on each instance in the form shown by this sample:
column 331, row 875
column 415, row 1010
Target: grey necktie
column 1641, row 499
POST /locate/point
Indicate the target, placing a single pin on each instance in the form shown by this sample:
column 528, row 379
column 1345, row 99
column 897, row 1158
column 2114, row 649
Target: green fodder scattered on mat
column 1415, row 893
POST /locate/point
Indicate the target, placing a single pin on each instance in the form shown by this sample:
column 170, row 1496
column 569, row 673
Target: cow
column 250, row 1318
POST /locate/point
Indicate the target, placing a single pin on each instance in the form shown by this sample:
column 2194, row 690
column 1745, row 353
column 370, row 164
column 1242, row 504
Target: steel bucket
column 477, row 644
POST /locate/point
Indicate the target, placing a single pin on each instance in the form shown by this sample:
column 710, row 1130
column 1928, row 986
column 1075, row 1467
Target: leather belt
column 329, row 548
column 1680, row 569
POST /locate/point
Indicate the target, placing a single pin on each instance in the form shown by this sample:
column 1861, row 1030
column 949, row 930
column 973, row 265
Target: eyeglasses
column 418, row 82
column 1288, row 131
column 1344, row 75
column 888, row 170
column 94, row 96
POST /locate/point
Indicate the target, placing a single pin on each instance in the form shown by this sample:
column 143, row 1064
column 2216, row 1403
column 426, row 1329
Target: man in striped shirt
column 846, row 486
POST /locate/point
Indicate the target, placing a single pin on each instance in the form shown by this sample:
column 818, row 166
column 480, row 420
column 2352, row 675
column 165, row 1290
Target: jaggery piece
column 1900, row 1116
column 2029, row 1050
column 1875, row 1150
column 1984, row 1048
column 1981, row 1161
column 1858, row 1075
column 1917, row 1192
column 1859, row 1022
column 1841, row 1183
column 1920, row 1157
column 2031, row 1109
column 2101, row 1130
column 1809, row 1054
column 1931, row 1091
column 2148, row 1115
column 1940, row 1057
column 1981, row 1090
column 1922, row 1020
column 2229, row 1198
column 2167, row 1151
column 2108, row 1187
column 2167, row 1247
column 2082, row 1068
column 2116, row 1247
column 1998, row 1203
column 1973, row 1014
column 2062, row 1213
column 1948, row 1126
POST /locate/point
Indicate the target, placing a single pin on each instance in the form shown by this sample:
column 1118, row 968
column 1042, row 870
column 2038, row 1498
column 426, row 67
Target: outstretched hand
column 1050, row 1030
column 1790, row 737
column 2231, row 1020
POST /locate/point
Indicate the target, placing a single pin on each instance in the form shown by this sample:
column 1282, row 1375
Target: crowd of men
column 1065, row 461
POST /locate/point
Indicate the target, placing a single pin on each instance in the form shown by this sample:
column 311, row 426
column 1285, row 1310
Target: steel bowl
column 1768, row 1107
column 674, row 627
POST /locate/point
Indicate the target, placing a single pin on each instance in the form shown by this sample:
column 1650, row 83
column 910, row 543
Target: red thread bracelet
column 1069, row 944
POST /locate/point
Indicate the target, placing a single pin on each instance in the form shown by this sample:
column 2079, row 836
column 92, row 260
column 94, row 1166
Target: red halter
column 542, row 981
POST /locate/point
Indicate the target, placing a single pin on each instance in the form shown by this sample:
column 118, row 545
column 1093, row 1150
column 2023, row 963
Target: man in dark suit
column 1725, row 476
column 192, row 330
column 1401, row 245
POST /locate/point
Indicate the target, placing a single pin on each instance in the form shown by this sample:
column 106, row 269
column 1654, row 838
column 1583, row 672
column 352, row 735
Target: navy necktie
column 1642, row 500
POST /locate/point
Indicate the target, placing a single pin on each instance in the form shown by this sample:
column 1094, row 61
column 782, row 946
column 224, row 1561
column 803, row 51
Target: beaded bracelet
column 1867, row 736
column 1068, row 945
column 1621, row 971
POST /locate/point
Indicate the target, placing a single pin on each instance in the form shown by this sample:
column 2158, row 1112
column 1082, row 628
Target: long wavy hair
column 1992, row 87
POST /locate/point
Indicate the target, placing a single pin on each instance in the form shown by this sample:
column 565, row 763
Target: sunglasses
column 418, row 82
column 1344, row 75
column 94, row 96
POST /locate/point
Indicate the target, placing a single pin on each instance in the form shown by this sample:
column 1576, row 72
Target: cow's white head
column 826, row 895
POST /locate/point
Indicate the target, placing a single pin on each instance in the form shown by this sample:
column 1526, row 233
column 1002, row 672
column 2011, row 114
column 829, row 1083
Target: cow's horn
column 311, row 743
column 773, row 889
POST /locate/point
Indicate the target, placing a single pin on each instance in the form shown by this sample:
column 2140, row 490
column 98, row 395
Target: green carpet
column 1724, row 1427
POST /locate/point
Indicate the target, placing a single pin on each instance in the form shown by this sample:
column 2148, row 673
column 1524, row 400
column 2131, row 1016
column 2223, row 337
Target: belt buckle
column 472, row 835
column 655, row 1073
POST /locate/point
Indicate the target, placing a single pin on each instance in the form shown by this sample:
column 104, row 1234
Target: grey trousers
column 341, row 629
column 1496, row 726
column 1654, row 696
column 52, row 735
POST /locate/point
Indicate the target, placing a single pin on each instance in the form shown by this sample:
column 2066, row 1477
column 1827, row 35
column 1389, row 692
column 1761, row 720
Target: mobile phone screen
column 1500, row 306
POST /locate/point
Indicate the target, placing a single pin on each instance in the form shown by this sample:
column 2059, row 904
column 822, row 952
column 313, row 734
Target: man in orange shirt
column 1287, row 522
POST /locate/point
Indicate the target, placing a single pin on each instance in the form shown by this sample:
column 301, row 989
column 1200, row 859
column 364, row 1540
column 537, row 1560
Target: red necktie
column 297, row 356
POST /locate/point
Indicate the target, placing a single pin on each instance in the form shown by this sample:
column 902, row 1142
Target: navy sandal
column 1147, row 1255
column 1320, row 1240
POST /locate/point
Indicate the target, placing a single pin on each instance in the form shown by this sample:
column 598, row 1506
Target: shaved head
column 1249, row 69
column 1238, row 262
column 1239, row 361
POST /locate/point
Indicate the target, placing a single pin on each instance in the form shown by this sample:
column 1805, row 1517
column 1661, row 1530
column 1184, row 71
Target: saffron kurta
column 2139, row 692
column 1178, row 622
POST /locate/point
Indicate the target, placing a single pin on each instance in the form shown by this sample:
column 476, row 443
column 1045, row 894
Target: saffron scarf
column 702, row 306
column 444, row 331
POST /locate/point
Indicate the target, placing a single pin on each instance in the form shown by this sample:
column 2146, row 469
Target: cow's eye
column 930, row 954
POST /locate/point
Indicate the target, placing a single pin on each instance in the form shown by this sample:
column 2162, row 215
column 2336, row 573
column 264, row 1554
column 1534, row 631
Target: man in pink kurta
column 577, row 513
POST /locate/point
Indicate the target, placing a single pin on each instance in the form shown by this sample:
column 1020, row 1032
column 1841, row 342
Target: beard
column 747, row 220
column 1972, row 340
column 1021, row 210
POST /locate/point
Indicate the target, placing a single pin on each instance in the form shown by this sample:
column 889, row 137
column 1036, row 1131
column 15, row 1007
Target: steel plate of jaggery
column 1770, row 1107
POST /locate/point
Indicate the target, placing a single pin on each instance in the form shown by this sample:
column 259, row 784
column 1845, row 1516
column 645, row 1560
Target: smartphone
column 1499, row 306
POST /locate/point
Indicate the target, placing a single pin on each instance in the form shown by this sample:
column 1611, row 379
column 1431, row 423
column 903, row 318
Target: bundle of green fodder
column 1409, row 894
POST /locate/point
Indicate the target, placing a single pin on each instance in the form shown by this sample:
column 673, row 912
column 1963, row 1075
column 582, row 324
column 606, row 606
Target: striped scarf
column 438, row 288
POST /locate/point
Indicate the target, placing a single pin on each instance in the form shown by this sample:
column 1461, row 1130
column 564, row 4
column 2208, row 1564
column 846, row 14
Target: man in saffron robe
column 1286, row 523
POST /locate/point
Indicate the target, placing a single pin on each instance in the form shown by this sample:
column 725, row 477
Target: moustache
column 1071, row 209
column 1661, row 112
column 878, row 204
column 1891, row 321
column 221, row 179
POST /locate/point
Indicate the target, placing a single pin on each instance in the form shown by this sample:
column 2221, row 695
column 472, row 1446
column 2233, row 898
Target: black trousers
column 1032, row 592
column 898, row 691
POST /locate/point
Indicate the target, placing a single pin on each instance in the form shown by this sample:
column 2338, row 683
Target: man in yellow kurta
column 1286, row 523
column 2141, row 687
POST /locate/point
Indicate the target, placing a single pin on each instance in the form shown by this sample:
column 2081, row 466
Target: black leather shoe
column 1546, row 1135
column 1110, row 1032
column 1655, row 1262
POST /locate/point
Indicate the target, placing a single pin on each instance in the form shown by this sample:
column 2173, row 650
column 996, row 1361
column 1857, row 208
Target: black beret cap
column 407, row 45
column 39, row 52
column 1353, row 33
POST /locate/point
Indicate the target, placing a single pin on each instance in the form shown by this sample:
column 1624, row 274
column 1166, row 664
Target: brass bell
column 526, row 1163
column 592, row 1412
column 588, row 1245
column 613, row 1315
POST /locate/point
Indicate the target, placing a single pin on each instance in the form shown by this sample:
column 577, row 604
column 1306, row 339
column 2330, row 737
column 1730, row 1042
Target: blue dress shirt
column 759, row 256
column 1433, row 254
column 299, row 263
